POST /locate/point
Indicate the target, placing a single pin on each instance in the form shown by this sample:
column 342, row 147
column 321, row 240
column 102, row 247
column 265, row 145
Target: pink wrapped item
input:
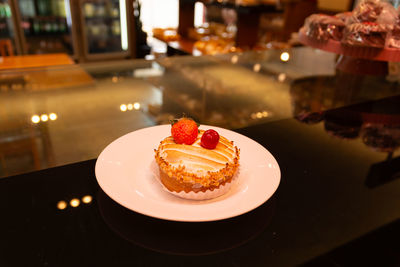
column 371, row 25
column 323, row 27
column 388, row 16
column 393, row 39
column 372, row 30
column 368, row 10
column 346, row 17
column 365, row 34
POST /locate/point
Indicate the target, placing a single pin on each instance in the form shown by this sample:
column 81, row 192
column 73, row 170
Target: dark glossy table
column 338, row 204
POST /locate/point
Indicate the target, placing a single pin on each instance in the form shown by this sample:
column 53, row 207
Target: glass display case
column 105, row 30
column 84, row 29
column 7, row 28
column 46, row 26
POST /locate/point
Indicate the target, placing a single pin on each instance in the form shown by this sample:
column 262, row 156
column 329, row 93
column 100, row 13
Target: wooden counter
column 41, row 72
column 34, row 61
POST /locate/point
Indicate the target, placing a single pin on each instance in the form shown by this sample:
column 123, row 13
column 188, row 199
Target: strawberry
column 184, row 131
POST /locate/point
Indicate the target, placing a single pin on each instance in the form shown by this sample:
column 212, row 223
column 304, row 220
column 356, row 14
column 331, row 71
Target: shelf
column 101, row 18
column 181, row 46
column 103, row 37
column 39, row 17
column 258, row 8
column 45, row 35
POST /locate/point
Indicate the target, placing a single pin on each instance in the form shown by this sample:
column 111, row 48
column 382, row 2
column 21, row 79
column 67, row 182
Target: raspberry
column 185, row 131
column 209, row 139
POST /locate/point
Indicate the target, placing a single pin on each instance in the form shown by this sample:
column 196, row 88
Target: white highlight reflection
column 53, row 116
column 44, row 117
column 87, row 199
column 285, row 56
column 61, row 205
column 136, row 105
column 35, row 119
column 139, row 193
column 74, row 202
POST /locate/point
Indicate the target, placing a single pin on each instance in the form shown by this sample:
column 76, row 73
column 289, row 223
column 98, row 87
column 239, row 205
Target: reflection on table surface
column 73, row 112
column 157, row 234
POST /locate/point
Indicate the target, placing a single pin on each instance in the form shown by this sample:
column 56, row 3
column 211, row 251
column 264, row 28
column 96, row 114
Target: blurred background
column 93, row 30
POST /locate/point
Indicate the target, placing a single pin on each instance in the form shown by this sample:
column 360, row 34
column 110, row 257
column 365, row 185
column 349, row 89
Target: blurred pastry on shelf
column 211, row 30
column 324, row 27
column 198, row 33
column 257, row 2
column 215, row 45
column 368, row 34
column 220, row 30
column 166, row 34
column 345, row 16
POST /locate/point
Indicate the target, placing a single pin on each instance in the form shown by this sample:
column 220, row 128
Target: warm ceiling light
column 130, row 106
column 44, row 117
column 74, row 202
column 285, row 56
column 136, row 105
column 53, row 116
column 87, row 199
column 61, row 205
column 259, row 115
column 114, row 79
column 35, row 119
column 265, row 113
column 123, row 107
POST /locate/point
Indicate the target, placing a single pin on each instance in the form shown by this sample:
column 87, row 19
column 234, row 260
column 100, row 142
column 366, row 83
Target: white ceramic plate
column 123, row 171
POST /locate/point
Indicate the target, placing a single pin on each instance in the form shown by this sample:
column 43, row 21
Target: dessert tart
column 197, row 167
